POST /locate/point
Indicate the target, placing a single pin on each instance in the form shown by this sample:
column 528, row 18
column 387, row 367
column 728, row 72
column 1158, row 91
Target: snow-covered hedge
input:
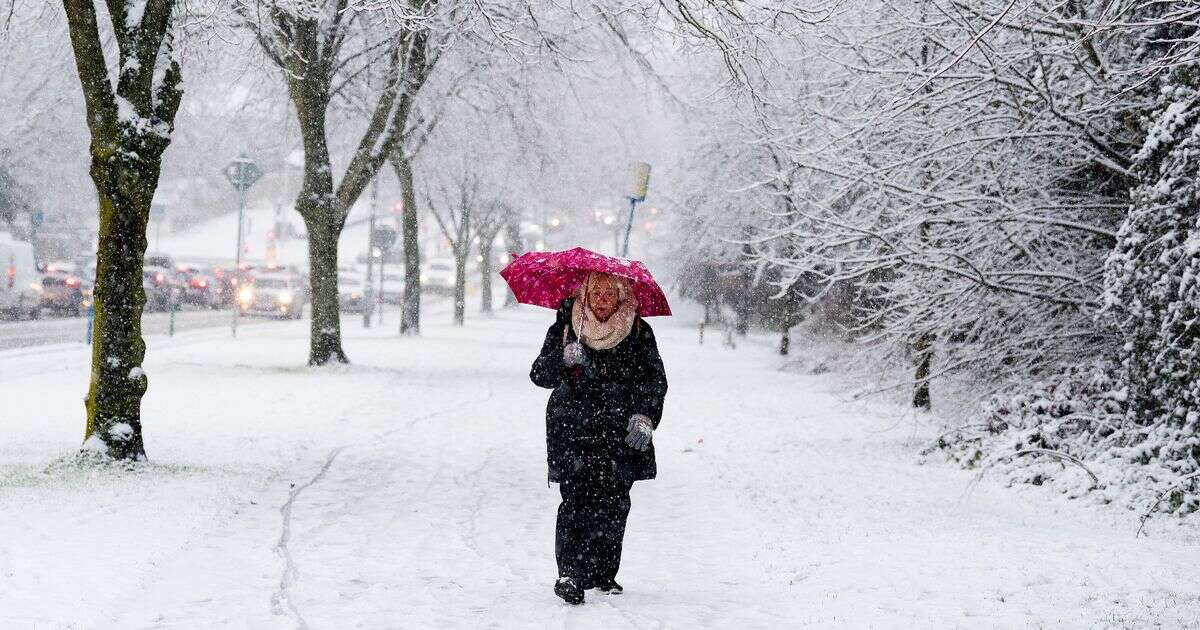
column 1129, row 430
column 1070, row 432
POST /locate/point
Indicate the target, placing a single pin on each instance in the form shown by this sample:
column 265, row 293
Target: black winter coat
column 587, row 417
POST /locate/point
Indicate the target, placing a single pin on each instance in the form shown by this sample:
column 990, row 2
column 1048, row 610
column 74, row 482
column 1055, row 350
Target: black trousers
column 591, row 527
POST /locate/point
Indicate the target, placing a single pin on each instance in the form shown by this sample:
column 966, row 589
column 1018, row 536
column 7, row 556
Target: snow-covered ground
column 408, row 491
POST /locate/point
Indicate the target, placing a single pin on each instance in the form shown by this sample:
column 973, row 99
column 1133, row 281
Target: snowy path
column 408, row 491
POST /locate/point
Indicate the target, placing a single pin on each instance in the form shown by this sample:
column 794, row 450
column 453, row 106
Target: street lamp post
column 641, row 182
column 242, row 173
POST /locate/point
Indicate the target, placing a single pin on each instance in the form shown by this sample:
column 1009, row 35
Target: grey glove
column 573, row 354
column 641, row 431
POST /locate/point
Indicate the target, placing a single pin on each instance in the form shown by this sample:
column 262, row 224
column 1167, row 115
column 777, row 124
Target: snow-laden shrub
column 1155, row 295
column 1071, row 432
column 1131, row 428
column 1153, row 286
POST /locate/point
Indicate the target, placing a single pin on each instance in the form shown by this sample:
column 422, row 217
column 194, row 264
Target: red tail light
column 159, row 277
column 12, row 275
column 73, row 282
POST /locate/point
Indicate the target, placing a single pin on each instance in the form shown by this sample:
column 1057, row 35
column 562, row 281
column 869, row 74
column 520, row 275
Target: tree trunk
column 515, row 246
column 317, row 204
column 325, row 338
column 460, row 283
column 743, row 311
column 410, row 311
column 485, row 275
column 125, row 189
column 307, row 46
column 785, row 342
column 923, row 350
column 130, row 121
column 923, row 345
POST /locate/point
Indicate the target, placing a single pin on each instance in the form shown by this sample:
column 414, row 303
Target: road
column 23, row 334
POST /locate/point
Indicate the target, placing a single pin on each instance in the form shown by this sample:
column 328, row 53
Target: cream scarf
column 599, row 335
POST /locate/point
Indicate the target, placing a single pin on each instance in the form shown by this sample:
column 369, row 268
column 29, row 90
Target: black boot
column 609, row 586
column 569, row 590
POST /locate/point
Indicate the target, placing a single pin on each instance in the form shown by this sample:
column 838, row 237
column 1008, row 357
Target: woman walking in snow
column 602, row 362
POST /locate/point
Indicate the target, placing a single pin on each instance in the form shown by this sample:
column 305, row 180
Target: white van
column 20, row 281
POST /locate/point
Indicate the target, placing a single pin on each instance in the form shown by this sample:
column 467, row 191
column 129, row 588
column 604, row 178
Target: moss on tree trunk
column 130, row 118
column 125, row 189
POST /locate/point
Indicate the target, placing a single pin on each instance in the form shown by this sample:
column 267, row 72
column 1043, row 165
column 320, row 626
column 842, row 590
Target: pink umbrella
column 546, row 278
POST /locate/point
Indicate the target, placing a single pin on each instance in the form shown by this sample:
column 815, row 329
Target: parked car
column 21, row 283
column 437, row 275
column 279, row 294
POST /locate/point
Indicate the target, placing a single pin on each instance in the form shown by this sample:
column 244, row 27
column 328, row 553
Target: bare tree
column 310, row 44
column 486, row 231
column 514, row 245
column 461, row 210
column 964, row 171
column 130, row 114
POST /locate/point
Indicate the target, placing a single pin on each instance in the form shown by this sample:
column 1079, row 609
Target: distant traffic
column 30, row 289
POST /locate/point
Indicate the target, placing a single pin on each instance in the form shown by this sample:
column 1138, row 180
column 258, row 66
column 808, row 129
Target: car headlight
column 424, row 277
column 246, row 295
column 285, row 297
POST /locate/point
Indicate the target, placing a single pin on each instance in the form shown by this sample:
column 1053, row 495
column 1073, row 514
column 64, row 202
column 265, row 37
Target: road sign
column 383, row 237
column 242, row 172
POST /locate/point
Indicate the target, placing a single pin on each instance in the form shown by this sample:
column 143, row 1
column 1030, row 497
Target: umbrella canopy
column 546, row 278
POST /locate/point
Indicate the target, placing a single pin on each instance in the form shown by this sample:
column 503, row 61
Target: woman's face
column 604, row 297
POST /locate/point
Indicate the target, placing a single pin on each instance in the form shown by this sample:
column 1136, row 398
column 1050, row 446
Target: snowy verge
column 1069, row 434
column 1064, row 434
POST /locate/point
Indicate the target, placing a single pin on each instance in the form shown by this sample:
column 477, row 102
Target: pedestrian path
column 408, row 491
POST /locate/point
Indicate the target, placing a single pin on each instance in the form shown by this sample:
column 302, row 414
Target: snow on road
column 408, row 491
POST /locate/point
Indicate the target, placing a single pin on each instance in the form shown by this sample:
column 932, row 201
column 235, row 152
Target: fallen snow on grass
column 408, row 491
